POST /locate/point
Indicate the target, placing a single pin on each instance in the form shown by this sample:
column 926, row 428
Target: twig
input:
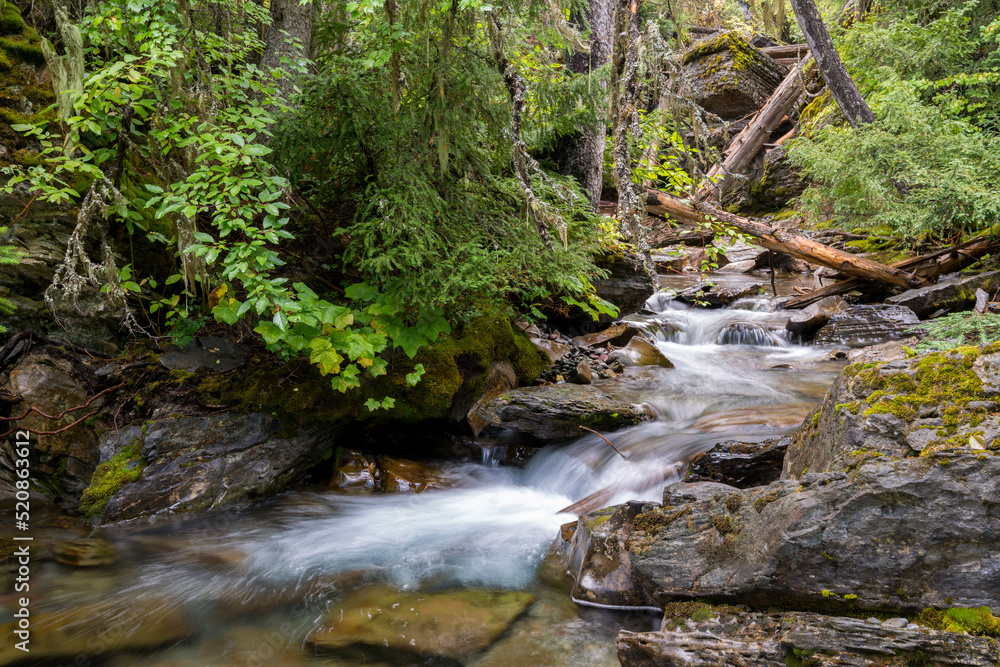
column 605, row 440
column 59, row 430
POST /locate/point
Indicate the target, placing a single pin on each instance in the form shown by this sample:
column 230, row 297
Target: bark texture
column 842, row 87
column 581, row 155
column 288, row 38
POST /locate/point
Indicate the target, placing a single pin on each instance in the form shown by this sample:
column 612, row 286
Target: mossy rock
column 730, row 77
column 24, row 99
column 124, row 467
column 978, row 621
column 455, row 367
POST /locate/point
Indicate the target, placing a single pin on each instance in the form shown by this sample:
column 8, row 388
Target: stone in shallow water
column 639, row 352
column 952, row 295
column 755, row 418
column 84, row 552
column 453, row 625
column 99, row 628
column 859, row 326
column 740, row 464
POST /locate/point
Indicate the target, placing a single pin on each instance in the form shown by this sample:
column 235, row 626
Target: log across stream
column 297, row 580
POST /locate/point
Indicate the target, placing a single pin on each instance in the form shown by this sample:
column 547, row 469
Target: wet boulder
column 453, row 626
column 97, row 629
column 954, row 295
column 709, row 295
column 628, row 285
column 215, row 354
column 929, row 540
column 740, row 464
column 745, row 333
column 196, row 463
column 729, row 77
column 601, row 562
column 860, row 326
column 617, row 334
column 732, row 637
column 557, row 411
column 640, row 352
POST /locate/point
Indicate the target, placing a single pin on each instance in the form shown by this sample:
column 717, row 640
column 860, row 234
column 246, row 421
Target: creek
column 255, row 583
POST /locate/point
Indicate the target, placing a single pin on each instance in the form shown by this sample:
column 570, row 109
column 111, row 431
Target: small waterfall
column 743, row 333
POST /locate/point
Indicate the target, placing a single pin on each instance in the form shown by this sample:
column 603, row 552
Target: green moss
column 124, row 467
column 976, row 620
column 23, row 48
column 657, row 520
column 733, row 502
column 455, row 369
column 724, row 524
column 760, row 503
column 11, row 22
column 675, row 614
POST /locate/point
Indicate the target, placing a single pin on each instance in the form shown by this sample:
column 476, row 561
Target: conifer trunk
column 581, row 155
column 289, row 36
column 842, row 87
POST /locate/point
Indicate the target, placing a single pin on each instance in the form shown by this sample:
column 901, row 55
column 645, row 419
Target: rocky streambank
column 885, row 507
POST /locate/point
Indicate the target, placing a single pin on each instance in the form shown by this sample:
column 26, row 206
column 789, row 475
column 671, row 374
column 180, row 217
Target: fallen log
column 787, row 51
column 748, row 142
column 785, row 242
column 929, row 267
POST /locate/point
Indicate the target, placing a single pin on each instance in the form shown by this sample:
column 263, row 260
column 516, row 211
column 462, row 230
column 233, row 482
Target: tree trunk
column 581, row 155
column 842, row 87
column 930, row 267
column 748, row 143
column 625, row 113
column 288, row 16
column 788, row 243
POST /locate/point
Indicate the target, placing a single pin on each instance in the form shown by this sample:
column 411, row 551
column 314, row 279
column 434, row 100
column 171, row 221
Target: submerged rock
column 556, row 411
column 640, row 352
column 779, row 640
column 763, row 417
column 97, row 629
column 452, row 625
column 743, row 333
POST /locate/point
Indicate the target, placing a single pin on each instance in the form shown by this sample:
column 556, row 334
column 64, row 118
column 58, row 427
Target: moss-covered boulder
column 941, row 401
column 729, row 77
column 457, row 372
column 189, row 464
column 557, row 411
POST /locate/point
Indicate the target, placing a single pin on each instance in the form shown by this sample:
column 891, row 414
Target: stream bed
column 254, row 586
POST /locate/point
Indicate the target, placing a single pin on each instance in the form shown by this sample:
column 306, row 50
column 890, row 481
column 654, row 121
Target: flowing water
column 254, row 583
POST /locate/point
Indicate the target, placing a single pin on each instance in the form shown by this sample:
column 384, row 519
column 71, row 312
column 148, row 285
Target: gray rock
column 601, row 562
column 739, row 267
column 640, row 352
column 197, row 463
column 954, row 295
column 888, row 351
column 897, row 622
column 629, row 284
column 861, row 326
column 62, row 463
column 929, row 540
column 215, row 354
column 556, row 411
column 740, row 464
column 738, row 252
column 894, row 409
column 778, row 640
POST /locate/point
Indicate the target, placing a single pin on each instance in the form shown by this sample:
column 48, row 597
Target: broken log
column 929, row 267
column 796, row 51
column 748, row 143
column 785, row 242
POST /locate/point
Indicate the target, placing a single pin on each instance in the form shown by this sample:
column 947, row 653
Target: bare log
column 785, row 242
column 929, row 267
column 748, row 143
column 796, row 51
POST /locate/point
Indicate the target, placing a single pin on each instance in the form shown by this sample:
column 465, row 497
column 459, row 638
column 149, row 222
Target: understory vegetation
column 929, row 165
